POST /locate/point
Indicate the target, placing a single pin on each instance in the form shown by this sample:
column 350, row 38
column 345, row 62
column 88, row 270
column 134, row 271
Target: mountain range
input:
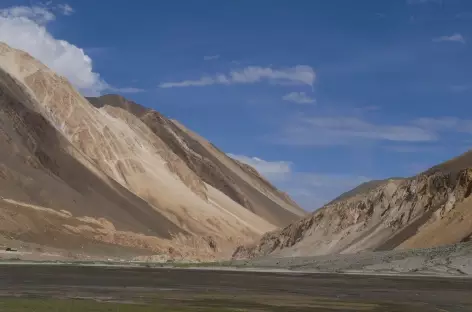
column 431, row 209
column 86, row 174
column 105, row 173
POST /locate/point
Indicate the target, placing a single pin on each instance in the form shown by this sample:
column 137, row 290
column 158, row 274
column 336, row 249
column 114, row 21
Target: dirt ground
column 212, row 290
column 451, row 260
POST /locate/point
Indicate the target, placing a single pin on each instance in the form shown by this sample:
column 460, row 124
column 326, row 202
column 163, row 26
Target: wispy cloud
column 311, row 190
column 423, row 1
column 38, row 14
column 298, row 75
column 41, row 13
column 298, row 97
column 371, row 108
column 274, row 170
column 97, row 51
column 410, row 148
column 126, row 90
column 461, row 88
column 453, row 124
column 66, row 9
column 464, row 15
column 343, row 130
column 452, row 38
column 211, row 57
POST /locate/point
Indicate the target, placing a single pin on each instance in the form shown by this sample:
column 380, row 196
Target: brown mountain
column 431, row 209
column 81, row 176
column 240, row 182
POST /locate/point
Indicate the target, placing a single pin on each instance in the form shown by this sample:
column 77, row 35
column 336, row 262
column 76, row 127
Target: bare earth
column 453, row 260
column 230, row 291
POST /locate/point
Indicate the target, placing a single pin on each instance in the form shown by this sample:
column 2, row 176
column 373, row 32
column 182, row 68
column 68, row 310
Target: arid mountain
column 361, row 188
column 240, row 182
column 76, row 175
column 428, row 210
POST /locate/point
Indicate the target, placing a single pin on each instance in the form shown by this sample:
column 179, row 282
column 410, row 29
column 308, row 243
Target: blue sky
column 318, row 95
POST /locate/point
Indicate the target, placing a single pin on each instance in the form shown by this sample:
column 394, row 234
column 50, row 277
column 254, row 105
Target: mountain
column 240, row 182
column 361, row 188
column 431, row 209
column 106, row 172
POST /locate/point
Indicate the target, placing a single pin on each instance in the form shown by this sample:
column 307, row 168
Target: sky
column 319, row 96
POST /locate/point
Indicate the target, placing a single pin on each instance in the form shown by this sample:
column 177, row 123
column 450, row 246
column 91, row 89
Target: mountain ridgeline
column 86, row 174
column 105, row 173
column 431, row 209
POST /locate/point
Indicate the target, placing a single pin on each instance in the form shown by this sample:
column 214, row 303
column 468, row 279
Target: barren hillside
column 238, row 181
column 74, row 175
column 428, row 210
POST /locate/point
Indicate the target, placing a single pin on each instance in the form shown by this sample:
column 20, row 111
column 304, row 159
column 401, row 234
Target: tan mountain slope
column 431, row 209
column 238, row 181
column 73, row 175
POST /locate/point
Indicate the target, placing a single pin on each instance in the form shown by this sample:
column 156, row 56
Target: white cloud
column 126, row 90
column 297, row 75
column 66, row 9
column 452, row 38
column 211, row 57
column 203, row 81
column 275, row 170
column 310, row 190
column 25, row 28
column 348, row 130
column 443, row 124
column 38, row 14
column 298, row 97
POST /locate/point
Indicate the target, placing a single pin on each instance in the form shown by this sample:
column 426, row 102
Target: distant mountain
column 83, row 174
column 431, row 209
column 361, row 188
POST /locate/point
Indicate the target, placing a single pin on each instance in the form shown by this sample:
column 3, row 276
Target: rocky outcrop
column 393, row 214
column 76, row 175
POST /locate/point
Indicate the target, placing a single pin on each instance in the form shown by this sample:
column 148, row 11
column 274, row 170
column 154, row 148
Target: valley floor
column 77, row 288
column 445, row 261
column 451, row 260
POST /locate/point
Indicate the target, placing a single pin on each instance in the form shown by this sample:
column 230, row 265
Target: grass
column 207, row 303
column 78, row 305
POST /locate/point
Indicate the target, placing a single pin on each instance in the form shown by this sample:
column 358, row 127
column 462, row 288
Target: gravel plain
column 453, row 260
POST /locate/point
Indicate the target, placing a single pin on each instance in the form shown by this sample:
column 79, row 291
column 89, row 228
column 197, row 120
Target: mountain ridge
column 206, row 161
column 119, row 183
column 427, row 210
